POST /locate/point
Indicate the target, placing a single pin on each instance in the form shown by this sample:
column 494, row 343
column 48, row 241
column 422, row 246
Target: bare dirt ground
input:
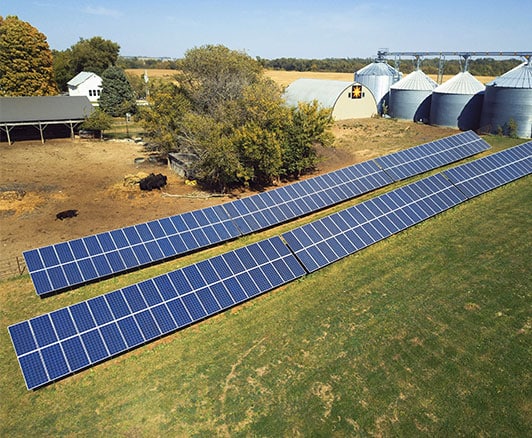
column 39, row 180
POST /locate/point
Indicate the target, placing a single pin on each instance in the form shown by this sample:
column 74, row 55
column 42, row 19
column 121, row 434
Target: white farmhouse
column 87, row 84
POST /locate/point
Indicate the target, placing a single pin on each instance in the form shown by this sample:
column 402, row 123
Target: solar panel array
column 67, row 264
column 419, row 159
column 484, row 174
column 59, row 343
column 289, row 202
column 327, row 240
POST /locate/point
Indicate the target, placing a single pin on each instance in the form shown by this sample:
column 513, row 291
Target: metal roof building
column 378, row 76
column 457, row 103
column 509, row 97
column 56, row 115
column 348, row 100
column 410, row 98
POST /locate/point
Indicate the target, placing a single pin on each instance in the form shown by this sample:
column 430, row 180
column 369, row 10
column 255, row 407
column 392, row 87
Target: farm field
column 426, row 333
column 285, row 78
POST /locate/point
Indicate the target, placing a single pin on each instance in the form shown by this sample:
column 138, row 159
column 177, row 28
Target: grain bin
column 457, row 103
column 378, row 77
column 410, row 97
column 507, row 98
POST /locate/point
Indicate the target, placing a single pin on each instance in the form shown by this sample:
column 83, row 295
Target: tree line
column 476, row 66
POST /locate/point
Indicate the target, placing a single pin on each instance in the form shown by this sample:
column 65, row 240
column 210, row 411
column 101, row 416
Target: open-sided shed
column 25, row 118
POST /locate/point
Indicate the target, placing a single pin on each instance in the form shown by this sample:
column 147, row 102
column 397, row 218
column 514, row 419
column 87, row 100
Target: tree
column 211, row 76
column 309, row 125
column 163, row 118
column 223, row 109
column 94, row 55
column 62, row 68
column 25, row 60
column 117, row 97
column 98, row 121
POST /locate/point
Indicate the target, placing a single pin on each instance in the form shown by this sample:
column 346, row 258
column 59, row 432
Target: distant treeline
column 477, row 67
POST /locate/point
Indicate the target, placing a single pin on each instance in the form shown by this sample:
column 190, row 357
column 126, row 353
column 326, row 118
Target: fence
column 12, row 267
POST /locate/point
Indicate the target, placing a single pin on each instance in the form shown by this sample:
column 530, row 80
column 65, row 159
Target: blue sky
column 290, row 28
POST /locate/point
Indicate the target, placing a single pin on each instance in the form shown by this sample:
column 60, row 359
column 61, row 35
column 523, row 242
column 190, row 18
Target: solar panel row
column 66, row 264
column 428, row 156
column 327, row 240
column 484, row 174
column 61, row 342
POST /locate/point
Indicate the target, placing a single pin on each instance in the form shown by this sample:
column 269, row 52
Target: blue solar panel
column 419, row 159
column 484, row 174
column 329, row 239
column 66, row 264
column 56, row 344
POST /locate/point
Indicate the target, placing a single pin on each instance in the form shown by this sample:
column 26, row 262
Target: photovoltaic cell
column 56, row 344
column 484, row 174
column 414, row 161
column 329, row 239
column 66, row 264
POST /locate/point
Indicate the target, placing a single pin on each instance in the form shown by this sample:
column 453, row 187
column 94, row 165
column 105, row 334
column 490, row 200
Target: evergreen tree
column 117, row 97
column 25, row 60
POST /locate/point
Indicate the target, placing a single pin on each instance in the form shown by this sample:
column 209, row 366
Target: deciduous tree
column 95, row 55
column 25, row 60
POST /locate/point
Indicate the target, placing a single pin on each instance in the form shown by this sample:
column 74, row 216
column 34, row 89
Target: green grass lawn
column 425, row 333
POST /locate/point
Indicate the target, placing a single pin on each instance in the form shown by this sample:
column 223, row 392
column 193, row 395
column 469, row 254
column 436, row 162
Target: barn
column 86, row 84
column 348, row 100
column 42, row 117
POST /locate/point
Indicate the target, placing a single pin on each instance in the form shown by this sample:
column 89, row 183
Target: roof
column 81, row 77
column 462, row 83
column 44, row 109
column 518, row 77
column 417, row 80
column 378, row 69
column 326, row 92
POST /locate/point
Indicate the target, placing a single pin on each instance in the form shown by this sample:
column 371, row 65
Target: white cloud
column 102, row 11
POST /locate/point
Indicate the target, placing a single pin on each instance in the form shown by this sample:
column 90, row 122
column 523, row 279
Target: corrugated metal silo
column 458, row 102
column 410, row 97
column 378, row 77
column 509, row 97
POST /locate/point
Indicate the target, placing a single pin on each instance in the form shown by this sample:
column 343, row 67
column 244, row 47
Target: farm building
column 40, row 117
column 86, row 84
column 410, row 97
column 378, row 77
column 348, row 100
column 507, row 98
column 457, row 103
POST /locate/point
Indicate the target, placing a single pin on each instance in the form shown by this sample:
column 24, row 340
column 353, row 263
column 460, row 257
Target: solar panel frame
column 56, row 344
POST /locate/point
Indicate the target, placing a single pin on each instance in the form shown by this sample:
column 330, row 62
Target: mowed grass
column 425, row 333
